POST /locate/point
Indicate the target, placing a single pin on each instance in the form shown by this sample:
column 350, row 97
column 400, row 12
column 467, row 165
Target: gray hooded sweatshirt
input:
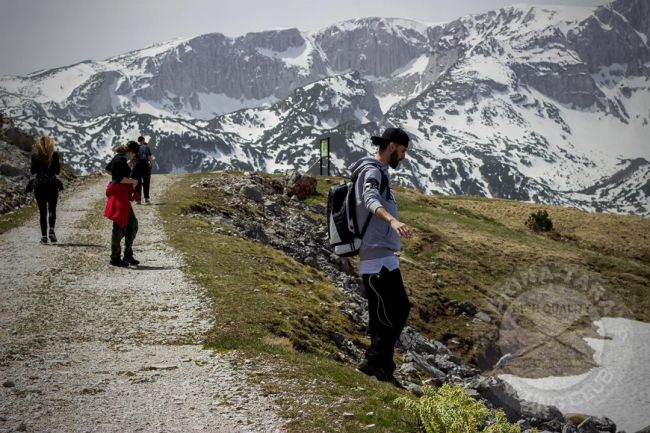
column 380, row 240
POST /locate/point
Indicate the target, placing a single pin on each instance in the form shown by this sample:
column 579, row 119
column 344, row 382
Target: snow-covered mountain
column 548, row 104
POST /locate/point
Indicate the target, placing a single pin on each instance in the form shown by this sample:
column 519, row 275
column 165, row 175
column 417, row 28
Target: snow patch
column 213, row 104
column 388, row 100
column 293, row 56
column 624, row 359
column 415, row 66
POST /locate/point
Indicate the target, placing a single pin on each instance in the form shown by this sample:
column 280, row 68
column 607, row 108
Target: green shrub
column 449, row 409
column 539, row 221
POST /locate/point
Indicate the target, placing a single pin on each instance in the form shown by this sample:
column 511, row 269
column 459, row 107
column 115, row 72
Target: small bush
column 539, row 221
column 449, row 409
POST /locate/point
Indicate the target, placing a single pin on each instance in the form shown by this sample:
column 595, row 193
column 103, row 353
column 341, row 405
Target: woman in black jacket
column 45, row 165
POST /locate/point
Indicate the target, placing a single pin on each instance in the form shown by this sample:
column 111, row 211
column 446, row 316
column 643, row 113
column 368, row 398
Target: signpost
column 325, row 153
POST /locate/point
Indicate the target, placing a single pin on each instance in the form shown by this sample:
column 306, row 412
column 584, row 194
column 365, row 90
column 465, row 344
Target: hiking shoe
column 372, row 370
column 131, row 260
column 119, row 263
column 146, row 200
column 52, row 236
column 393, row 381
column 43, row 239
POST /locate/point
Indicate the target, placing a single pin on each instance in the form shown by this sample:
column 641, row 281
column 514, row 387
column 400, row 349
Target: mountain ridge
column 522, row 102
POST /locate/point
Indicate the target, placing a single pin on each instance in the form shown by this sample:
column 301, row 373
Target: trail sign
column 325, row 153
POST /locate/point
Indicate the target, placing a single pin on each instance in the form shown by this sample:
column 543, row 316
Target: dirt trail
column 87, row 347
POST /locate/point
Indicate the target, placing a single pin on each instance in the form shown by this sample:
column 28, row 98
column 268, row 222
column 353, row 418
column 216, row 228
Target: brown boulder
column 303, row 187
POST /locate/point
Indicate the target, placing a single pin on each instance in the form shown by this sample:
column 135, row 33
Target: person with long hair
column 46, row 165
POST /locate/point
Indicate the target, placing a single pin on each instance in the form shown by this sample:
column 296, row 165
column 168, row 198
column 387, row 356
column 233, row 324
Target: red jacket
column 118, row 204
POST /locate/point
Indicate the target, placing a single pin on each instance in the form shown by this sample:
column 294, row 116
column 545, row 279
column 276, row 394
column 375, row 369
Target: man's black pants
column 144, row 180
column 388, row 309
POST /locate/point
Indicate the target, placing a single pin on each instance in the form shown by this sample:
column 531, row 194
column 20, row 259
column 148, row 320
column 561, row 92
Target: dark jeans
column 46, row 199
column 128, row 233
column 142, row 173
column 144, row 182
column 388, row 309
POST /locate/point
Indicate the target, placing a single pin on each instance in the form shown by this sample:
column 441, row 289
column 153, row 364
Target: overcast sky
column 39, row 34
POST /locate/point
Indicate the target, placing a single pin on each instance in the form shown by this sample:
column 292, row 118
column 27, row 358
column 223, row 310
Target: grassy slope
column 471, row 248
column 17, row 217
column 464, row 248
column 267, row 306
column 479, row 243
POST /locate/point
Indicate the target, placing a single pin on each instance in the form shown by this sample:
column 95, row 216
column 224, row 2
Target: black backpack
column 344, row 233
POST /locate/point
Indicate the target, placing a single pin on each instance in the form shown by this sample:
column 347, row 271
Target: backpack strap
column 383, row 186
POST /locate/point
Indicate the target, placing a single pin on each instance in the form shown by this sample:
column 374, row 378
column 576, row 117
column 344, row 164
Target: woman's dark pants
column 46, row 199
column 128, row 233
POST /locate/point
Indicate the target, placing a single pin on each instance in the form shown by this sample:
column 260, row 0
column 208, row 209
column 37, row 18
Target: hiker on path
column 142, row 169
column 120, row 192
column 45, row 165
column 388, row 304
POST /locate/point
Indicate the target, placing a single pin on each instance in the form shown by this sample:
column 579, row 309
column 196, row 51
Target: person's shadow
column 76, row 245
column 151, row 268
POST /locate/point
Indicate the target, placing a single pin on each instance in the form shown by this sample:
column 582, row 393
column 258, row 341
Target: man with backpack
column 376, row 212
column 142, row 169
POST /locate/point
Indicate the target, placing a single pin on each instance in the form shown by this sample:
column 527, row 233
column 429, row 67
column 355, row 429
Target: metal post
column 325, row 153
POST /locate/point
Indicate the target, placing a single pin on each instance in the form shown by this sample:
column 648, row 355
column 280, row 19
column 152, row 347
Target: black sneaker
column 119, row 263
column 43, row 239
column 52, row 236
column 393, row 381
column 131, row 261
column 372, row 370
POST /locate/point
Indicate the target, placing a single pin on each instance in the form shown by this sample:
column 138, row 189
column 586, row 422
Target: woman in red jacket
column 120, row 193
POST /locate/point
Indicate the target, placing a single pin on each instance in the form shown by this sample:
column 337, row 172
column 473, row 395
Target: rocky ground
column 89, row 347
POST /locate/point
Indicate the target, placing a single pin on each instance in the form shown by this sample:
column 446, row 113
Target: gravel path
column 87, row 347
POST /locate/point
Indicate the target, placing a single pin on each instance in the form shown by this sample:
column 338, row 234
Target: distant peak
column 375, row 21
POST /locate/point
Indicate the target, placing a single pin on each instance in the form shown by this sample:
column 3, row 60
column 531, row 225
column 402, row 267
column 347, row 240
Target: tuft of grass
column 450, row 409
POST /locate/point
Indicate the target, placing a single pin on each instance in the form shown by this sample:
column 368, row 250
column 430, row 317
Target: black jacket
column 38, row 167
column 119, row 167
column 46, row 180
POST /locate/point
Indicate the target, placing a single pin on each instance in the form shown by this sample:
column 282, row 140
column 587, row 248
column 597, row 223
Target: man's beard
column 394, row 162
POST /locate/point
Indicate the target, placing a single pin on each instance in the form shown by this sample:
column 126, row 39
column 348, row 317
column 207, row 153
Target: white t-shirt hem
column 373, row 266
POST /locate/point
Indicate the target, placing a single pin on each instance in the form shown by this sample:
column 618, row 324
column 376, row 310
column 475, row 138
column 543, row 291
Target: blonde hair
column 43, row 148
column 120, row 148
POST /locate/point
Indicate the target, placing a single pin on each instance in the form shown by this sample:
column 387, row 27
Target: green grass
column 17, row 217
column 269, row 307
column 450, row 409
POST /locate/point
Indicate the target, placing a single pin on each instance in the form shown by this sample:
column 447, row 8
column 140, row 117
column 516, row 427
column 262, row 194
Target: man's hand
column 402, row 229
